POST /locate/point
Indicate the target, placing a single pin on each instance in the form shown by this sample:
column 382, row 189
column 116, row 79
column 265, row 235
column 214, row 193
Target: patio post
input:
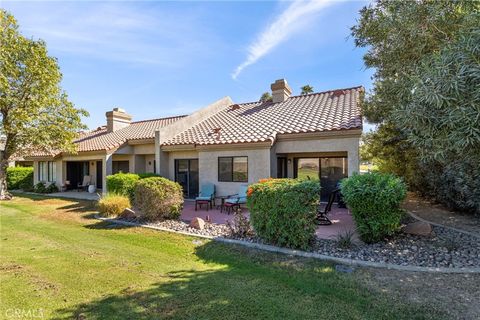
column 106, row 171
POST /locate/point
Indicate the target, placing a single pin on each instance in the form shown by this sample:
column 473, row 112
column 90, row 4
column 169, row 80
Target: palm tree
column 306, row 89
column 266, row 97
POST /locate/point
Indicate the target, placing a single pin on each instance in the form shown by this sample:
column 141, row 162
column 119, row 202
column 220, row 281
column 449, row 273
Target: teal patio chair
column 206, row 195
column 234, row 201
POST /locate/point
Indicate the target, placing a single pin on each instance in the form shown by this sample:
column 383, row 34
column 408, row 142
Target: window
column 233, row 169
column 47, row 171
column 42, row 171
column 52, row 171
column 120, row 166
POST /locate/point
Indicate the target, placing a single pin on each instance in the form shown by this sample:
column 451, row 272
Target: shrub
column 113, row 204
column 283, row 211
column 240, row 225
column 147, row 175
column 52, row 188
column 374, row 199
column 19, row 178
column 40, row 188
column 122, row 184
column 159, row 198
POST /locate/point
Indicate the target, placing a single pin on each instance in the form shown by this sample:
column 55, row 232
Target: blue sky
column 158, row 59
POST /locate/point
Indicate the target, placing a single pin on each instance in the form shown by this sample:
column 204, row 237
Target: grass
column 56, row 259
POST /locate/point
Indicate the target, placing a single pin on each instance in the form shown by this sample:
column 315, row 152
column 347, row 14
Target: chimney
column 280, row 91
column 117, row 119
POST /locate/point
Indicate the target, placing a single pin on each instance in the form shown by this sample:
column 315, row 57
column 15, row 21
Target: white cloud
column 296, row 17
column 121, row 32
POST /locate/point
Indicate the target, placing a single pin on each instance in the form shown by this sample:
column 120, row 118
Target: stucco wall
column 149, row 163
column 258, row 167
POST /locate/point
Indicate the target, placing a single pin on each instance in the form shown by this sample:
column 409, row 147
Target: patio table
column 222, row 202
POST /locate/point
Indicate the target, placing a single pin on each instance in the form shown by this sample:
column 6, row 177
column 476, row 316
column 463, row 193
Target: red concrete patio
column 341, row 219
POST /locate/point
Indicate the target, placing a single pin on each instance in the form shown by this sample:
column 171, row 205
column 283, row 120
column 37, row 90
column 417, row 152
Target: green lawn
column 57, row 258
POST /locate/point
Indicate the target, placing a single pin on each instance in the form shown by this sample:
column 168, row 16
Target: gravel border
column 299, row 253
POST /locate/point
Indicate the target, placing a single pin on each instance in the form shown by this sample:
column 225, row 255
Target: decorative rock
column 128, row 214
column 197, row 223
column 418, row 228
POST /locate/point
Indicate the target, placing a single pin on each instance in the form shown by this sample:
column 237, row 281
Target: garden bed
column 445, row 248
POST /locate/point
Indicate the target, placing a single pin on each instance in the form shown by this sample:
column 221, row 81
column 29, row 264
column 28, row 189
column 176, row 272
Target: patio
column 73, row 194
column 341, row 219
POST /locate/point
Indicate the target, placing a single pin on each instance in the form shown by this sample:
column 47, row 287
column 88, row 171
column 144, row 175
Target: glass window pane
column 333, row 170
column 224, row 169
column 240, row 169
column 308, row 168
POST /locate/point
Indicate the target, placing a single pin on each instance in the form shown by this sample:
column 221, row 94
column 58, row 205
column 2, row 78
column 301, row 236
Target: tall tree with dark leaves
column 36, row 114
column 425, row 97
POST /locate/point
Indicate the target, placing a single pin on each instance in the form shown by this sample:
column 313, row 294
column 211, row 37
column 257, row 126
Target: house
column 312, row 136
column 14, row 161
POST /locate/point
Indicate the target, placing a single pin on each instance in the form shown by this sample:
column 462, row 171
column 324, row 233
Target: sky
column 157, row 59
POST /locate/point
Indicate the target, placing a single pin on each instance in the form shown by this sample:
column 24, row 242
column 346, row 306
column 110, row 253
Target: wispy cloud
column 120, row 32
column 294, row 18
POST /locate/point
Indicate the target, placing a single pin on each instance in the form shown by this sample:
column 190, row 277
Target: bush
column 374, row 199
column 40, row 188
column 113, row 204
column 283, row 211
column 122, row 184
column 52, row 188
column 148, row 175
column 20, row 178
column 159, row 198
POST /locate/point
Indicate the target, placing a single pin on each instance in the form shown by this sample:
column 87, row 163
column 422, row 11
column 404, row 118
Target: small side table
column 222, row 202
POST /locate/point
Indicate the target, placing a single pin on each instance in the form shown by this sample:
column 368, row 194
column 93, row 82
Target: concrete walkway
column 79, row 195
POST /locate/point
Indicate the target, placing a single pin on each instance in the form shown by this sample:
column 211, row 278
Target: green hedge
column 374, row 199
column 124, row 183
column 20, row 178
column 159, row 198
column 283, row 211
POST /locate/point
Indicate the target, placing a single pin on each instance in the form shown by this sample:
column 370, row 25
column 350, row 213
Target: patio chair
column 235, row 200
column 84, row 185
column 206, row 196
column 322, row 218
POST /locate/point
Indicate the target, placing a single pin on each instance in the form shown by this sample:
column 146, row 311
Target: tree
column 306, row 89
column 266, row 97
column 36, row 114
column 425, row 97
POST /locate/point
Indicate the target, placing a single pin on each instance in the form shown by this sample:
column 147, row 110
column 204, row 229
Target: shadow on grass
column 105, row 225
column 246, row 284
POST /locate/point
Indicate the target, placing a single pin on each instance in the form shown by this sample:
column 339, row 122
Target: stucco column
column 35, row 172
column 106, row 170
column 353, row 160
column 157, row 152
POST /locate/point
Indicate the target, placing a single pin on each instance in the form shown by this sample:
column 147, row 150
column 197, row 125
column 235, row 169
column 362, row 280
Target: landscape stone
column 418, row 228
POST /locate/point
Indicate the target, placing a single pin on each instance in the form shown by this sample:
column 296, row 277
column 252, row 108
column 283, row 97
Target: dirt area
column 457, row 295
column 439, row 214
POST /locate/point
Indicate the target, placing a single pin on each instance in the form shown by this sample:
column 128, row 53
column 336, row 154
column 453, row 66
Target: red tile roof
column 100, row 139
column 257, row 121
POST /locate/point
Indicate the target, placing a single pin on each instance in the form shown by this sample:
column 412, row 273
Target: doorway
column 76, row 170
column 99, row 175
column 186, row 174
column 328, row 170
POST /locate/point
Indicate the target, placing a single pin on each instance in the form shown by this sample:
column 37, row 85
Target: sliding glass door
column 186, row 174
column 329, row 171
